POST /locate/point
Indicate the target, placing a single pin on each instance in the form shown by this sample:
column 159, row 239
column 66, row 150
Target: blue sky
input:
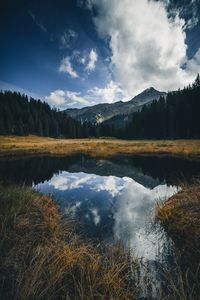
column 77, row 53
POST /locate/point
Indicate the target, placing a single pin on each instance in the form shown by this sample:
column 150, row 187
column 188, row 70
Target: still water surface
column 110, row 199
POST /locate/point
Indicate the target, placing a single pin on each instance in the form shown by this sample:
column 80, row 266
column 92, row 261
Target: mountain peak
column 150, row 89
column 147, row 95
column 102, row 112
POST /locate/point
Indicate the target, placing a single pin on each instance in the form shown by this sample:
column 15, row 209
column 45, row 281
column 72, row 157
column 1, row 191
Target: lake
column 109, row 199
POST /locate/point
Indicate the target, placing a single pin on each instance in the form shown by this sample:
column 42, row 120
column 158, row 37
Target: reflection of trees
column 33, row 169
column 38, row 169
column 168, row 168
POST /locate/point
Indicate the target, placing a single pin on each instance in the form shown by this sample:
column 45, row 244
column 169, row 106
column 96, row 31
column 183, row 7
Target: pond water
column 110, row 199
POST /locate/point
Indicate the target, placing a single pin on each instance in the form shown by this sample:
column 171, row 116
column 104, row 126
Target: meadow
column 103, row 147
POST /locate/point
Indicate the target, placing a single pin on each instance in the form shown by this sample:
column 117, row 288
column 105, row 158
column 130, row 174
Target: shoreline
column 41, row 254
column 180, row 218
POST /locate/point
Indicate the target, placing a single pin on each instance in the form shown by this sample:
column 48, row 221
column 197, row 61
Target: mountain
column 115, row 111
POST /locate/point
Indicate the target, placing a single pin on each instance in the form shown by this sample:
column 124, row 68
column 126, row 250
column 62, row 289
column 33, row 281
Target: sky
column 76, row 53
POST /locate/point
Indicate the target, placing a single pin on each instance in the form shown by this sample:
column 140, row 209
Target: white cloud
column 67, row 38
column 112, row 92
column 92, row 59
column 194, row 64
column 187, row 10
column 86, row 59
column 76, row 98
column 71, row 99
column 56, row 98
column 148, row 47
column 66, row 67
column 66, row 99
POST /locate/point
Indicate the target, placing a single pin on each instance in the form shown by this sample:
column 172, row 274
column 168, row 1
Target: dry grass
column 33, row 145
column 42, row 258
column 180, row 216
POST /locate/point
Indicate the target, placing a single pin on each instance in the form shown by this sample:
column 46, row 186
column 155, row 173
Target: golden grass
column 33, row 145
column 180, row 216
column 42, row 258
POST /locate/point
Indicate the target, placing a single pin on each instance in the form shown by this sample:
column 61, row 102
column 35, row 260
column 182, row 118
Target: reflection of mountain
column 147, row 170
column 117, row 167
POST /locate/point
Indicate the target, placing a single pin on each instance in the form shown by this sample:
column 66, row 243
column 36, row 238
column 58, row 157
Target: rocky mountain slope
column 103, row 112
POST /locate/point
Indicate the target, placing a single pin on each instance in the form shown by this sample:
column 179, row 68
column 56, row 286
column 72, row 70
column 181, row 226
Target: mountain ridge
column 102, row 112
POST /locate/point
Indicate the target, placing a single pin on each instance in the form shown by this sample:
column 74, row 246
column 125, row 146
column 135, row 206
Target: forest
column 20, row 115
column 176, row 116
column 173, row 117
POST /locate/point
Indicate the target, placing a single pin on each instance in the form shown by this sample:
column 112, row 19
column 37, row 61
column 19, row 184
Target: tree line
column 20, row 115
column 175, row 116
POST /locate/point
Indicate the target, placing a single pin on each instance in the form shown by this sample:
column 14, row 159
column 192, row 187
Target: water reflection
column 110, row 198
column 147, row 170
column 109, row 207
column 133, row 214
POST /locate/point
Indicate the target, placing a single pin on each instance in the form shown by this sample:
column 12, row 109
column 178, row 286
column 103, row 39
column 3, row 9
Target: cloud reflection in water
column 119, row 207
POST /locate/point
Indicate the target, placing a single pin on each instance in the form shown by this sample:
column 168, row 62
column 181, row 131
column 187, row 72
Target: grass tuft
column 42, row 258
column 180, row 217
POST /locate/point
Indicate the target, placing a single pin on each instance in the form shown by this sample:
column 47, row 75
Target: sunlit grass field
column 34, row 145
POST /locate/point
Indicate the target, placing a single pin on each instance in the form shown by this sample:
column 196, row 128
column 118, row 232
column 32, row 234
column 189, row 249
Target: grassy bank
column 180, row 216
column 33, row 145
column 42, row 258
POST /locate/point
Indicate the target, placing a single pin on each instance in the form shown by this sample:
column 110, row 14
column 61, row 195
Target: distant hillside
column 173, row 116
column 100, row 113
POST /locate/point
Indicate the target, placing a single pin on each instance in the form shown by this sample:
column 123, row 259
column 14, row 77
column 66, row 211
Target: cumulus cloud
column 148, row 46
column 87, row 59
column 92, row 59
column 71, row 99
column 187, row 10
column 66, row 67
column 66, row 99
column 67, row 38
column 194, row 64
column 56, row 98
column 112, row 92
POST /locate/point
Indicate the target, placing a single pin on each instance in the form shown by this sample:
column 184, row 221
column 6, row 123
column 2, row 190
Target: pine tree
column 197, row 81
